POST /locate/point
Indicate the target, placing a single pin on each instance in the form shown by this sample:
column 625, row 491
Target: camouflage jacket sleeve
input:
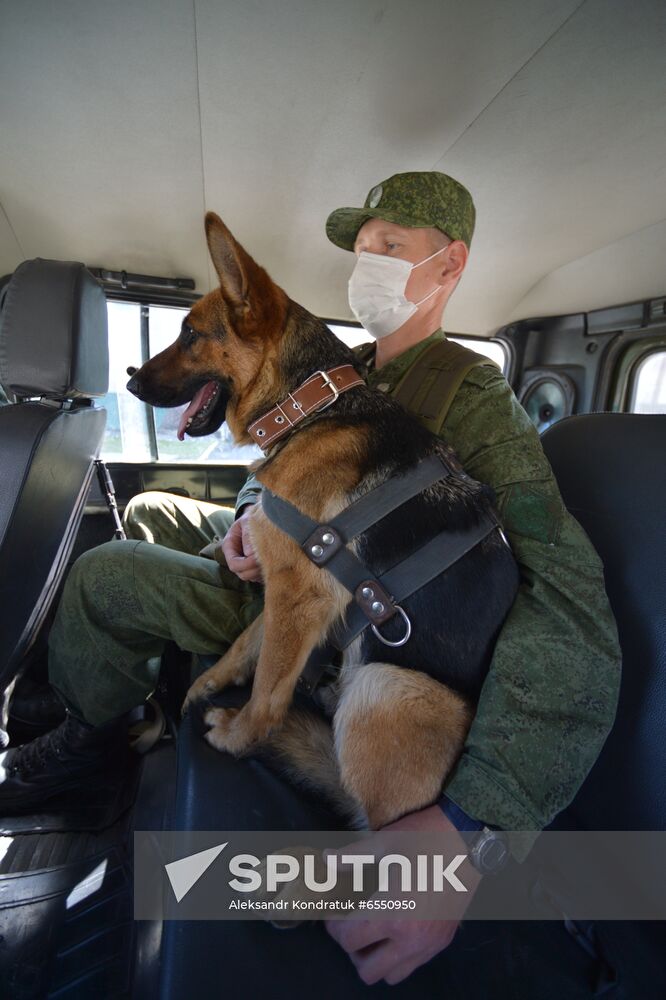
column 550, row 696
column 249, row 492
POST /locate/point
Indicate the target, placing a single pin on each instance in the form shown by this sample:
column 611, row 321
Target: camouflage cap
column 418, row 198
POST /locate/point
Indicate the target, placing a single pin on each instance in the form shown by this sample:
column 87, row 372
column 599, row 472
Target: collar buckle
column 328, row 381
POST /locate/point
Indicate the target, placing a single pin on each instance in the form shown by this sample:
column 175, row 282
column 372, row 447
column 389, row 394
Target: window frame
column 634, row 373
column 625, row 372
column 179, row 301
column 503, row 343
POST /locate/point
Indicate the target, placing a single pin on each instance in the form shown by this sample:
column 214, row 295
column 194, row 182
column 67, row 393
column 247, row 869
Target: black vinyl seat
column 612, row 474
column 54, row 361
column 611, row 470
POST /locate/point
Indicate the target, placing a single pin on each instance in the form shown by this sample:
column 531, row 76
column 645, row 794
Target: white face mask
column 377, row 292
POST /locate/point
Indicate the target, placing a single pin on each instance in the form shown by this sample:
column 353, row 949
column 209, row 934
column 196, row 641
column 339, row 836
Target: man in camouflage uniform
column 550, row 696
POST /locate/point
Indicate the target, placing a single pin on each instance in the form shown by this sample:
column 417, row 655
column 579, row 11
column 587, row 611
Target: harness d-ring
column 400, row 642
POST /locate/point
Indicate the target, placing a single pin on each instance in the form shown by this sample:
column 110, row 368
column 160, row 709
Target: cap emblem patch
column 375, row 196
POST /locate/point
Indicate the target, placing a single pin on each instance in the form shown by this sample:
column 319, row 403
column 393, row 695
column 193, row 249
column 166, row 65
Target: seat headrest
column 53, row 332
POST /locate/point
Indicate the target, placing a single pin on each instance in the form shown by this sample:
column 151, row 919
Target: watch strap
column 462, row 821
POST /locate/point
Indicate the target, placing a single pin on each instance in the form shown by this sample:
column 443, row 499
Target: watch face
column 491, row 853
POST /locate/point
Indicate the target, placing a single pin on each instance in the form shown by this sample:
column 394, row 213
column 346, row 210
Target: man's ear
column 227, row 256
column 456, row 260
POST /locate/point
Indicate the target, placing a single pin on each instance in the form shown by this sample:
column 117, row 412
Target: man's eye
column 391, row 246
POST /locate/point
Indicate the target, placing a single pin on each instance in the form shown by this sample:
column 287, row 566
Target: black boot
column 33, row 774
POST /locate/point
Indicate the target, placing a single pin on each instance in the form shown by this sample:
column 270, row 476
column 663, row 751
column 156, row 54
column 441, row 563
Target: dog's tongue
column 193, row 408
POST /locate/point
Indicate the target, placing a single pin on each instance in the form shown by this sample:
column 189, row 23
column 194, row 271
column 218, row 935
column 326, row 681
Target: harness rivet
column 328, row 538
column 378, row 607
column 260, row 433
column 368, row 592
column 279, row 420
column 317, row 551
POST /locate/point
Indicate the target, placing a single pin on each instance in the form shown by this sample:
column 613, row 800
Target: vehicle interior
column 121, row 125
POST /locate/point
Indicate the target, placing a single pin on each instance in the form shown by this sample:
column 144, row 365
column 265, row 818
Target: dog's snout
column 131, row 371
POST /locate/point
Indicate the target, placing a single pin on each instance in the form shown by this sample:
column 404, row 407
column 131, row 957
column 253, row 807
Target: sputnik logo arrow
column 186, row 872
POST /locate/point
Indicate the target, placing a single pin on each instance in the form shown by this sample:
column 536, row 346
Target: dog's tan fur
column 396, row 733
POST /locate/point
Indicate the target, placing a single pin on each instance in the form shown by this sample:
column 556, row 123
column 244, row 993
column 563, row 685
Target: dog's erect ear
column 229, row 258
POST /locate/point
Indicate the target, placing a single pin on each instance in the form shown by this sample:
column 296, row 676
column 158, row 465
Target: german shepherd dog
column 397, row 716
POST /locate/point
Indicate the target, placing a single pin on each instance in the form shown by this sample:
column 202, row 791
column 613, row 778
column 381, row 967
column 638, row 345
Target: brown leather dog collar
column 316, row 393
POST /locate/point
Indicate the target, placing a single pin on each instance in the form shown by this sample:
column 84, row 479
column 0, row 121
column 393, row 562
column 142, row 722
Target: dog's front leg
column 294, row 622
column 234, row 668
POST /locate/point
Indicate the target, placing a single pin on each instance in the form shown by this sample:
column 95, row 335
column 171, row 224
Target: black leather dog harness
column 375, row 598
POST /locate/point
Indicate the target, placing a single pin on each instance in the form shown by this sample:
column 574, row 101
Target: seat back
column 53, row 361
column 611, row 469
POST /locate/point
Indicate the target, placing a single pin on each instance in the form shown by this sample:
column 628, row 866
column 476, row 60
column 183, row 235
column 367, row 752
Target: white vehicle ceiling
column 122, row 121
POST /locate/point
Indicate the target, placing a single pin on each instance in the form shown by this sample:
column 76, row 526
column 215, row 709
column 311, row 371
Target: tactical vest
column 429, row 386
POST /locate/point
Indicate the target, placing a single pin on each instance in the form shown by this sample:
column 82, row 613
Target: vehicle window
column 649, row 393
column 354, row 335
column 164, row 327
column 136, row 432
column 127, row 436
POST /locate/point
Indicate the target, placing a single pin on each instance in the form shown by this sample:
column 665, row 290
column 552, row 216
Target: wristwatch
column 488, row 849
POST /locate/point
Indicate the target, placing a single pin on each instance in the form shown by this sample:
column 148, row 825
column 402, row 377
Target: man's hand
column 238, row 550
column 392, row 949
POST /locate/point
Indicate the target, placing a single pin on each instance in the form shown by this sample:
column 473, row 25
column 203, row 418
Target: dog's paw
column 220, row 718
column 226, row 732
column 203, row 688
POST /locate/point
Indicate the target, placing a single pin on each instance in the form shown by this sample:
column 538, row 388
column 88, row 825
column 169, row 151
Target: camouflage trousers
column 124, row 600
